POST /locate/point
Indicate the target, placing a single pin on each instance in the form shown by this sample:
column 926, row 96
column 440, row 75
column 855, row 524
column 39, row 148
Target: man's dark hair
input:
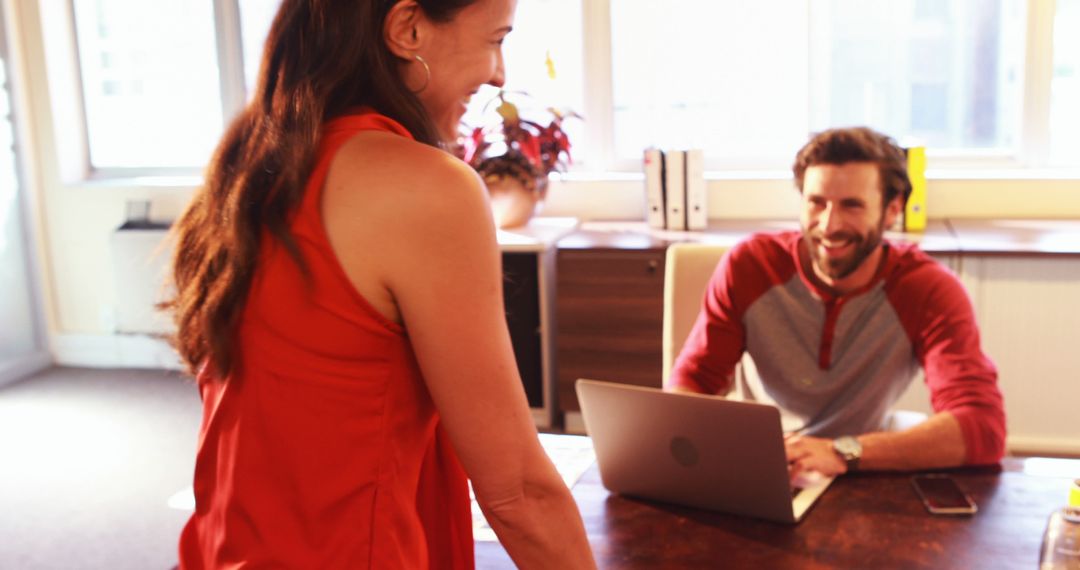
column 857, row 144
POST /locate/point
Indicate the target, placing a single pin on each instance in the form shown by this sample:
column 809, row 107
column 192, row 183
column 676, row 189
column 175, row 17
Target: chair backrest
column 686, row 273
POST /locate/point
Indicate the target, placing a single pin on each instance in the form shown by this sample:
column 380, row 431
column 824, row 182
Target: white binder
column 675, row 188
column 655, row 213
column 697, row 213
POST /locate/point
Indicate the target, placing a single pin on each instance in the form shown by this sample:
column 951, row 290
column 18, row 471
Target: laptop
column 694, row 450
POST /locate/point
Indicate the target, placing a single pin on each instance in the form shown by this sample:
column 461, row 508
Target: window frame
column 38, row 357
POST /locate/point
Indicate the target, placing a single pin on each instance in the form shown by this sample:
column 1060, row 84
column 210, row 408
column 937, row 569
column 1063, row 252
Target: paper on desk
column 572, row 456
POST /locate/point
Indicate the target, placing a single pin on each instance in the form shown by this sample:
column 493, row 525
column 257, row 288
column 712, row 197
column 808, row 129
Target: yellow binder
column 915, row 211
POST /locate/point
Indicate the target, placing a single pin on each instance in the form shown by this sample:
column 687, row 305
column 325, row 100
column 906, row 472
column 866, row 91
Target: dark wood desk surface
column 866, row 520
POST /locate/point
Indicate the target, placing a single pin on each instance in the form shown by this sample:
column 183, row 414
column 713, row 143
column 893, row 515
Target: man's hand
column 807, row 453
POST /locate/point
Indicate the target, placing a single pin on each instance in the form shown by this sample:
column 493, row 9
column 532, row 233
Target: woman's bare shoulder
column 404, row 168
column 391, row 204
column 386, row 185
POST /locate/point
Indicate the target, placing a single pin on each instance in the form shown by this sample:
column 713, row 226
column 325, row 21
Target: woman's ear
column 402, row 29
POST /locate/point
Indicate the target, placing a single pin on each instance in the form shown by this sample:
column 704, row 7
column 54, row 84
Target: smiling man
column 837, row 321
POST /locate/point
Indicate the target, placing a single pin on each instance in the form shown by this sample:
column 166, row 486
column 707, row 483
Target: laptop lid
column 691, row 449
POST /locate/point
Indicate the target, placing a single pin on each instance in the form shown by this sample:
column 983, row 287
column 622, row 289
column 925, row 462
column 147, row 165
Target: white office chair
column 687, row 270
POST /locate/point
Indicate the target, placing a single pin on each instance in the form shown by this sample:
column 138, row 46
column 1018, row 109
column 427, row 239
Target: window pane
column 255, row 19
column 1065, row 86
column 150, row 81
column 946, row 72
column 728, row 76
column 749, row 86
column 541, row 28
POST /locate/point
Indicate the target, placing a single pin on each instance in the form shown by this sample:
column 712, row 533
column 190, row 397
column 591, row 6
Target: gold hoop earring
column 427, row 73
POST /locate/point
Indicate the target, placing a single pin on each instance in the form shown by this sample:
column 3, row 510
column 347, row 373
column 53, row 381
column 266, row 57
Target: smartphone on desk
column 942, row 496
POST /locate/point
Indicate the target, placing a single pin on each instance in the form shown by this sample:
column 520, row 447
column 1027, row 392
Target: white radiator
column 141, row 258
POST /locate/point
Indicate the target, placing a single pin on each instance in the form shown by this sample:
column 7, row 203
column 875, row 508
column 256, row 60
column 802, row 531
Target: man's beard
column 839, row 268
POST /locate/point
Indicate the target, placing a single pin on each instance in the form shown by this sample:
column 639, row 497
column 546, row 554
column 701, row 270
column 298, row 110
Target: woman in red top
column 339, row 298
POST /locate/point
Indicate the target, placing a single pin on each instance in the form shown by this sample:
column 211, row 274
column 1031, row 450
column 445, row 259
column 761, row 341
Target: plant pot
column 513, row 201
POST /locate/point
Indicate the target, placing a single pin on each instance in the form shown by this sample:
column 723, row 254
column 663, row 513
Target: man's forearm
column 937, row 442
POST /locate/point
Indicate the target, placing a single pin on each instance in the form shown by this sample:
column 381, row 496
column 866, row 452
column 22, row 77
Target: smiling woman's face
column 464, row 54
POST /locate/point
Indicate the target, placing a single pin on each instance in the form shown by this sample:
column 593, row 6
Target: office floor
column 88, row 460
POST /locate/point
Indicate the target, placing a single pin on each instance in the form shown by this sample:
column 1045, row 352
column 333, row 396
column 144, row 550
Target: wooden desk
column 863, row 521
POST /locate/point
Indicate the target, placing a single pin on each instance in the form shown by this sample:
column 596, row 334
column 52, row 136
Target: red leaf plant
column 524, row 149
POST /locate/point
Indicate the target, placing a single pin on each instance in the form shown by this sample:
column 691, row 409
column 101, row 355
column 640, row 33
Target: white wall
column 74, row 220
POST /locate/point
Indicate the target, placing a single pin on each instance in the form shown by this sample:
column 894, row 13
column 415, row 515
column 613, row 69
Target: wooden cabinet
column 609, row 312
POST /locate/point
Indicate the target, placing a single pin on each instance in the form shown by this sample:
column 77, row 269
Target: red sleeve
column 940, row 321
column 714, row 346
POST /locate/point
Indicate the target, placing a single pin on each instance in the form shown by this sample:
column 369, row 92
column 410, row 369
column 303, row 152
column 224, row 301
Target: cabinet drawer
column 609, row 311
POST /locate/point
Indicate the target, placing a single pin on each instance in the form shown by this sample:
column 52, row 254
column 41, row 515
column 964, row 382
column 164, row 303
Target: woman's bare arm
column 427, row 240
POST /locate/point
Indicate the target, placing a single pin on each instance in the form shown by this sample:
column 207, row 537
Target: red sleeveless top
column 323, row 448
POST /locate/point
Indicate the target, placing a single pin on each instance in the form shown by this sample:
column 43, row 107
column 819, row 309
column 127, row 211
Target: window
column 941, row 73
column 714, row 81
column 150, row 82
column 748, row 86
column 745, row 81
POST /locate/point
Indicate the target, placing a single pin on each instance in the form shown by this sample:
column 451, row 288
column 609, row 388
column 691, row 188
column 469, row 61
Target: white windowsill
column 972, row 194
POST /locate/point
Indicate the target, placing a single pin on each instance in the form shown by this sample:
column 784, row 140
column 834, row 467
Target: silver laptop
column 694, row 450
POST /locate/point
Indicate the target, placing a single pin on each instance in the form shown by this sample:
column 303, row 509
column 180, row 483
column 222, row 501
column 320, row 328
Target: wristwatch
column 849, row 449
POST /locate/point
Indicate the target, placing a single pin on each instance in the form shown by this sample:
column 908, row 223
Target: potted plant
column 514, row 157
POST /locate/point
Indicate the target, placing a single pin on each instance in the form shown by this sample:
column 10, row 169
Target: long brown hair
column 321, row 58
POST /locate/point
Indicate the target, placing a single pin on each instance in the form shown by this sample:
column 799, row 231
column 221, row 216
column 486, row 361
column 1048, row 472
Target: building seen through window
column 946, row 73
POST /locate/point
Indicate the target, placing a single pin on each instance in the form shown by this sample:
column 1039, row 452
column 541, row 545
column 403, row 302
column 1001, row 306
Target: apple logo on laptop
column 684, row 451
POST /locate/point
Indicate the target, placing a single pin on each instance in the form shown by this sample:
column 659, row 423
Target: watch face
column 848, row 446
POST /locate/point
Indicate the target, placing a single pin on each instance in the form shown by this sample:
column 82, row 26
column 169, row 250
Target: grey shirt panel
column 871, row 362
